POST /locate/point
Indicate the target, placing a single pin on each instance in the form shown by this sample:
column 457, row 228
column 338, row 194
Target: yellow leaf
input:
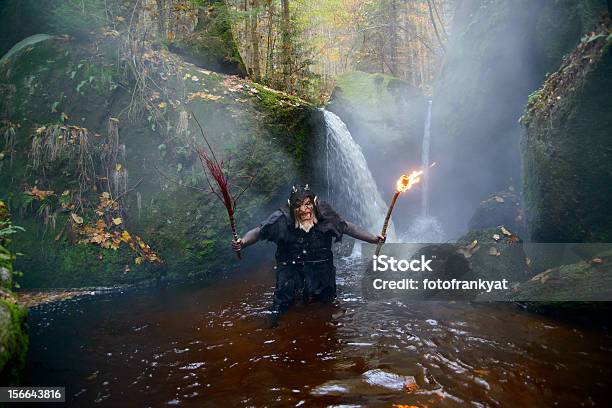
column 162, row 105
column 105, row 194
column 117, row 220
column 76, row 218
column 542, row 277
column 125, row 236
column 138, row 260
column 118, row 167
column 120, row 19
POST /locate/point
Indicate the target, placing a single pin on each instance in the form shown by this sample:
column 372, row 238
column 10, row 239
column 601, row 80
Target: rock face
column 499, row 52
column 587, row 280
column 502, row 208
column 567, row 147
column 76, row 130
column 386, row 118
column 212, row 43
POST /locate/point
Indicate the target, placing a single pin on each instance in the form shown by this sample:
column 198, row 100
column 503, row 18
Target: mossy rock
column 447, row 264
column 212, row 44
column 501, row 208
column 581, row 290
column 499, row 52
column 390, row 108
column 495, row 255
column 23, row 18
column 13, row 342
column 567, row 148
column 265, row 132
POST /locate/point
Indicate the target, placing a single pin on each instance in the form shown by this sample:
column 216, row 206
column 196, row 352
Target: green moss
column 212, row 44
column 363, row 87
column 566, row 150
column 266, row 133
column 13, row 329
column 62, row 264
column 509, row 264
column 582, row 281
column 13, row 342
column 289, row 119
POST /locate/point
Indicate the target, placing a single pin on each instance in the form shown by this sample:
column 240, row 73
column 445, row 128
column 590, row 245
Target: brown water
column 201, row 345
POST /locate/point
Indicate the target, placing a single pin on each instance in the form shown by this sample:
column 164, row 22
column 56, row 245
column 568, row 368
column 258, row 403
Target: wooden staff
column 404, row 183
column 387, row 218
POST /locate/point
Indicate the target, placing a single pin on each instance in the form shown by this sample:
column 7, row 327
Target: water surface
column 207, row 345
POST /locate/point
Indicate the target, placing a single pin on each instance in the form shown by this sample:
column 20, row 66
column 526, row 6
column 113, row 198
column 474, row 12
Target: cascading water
column 425, row 228
column 351, row 186
column 425, row 162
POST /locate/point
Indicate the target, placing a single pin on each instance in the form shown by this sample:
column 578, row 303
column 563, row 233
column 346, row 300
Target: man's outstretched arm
column 363, row 235
column 249, row 238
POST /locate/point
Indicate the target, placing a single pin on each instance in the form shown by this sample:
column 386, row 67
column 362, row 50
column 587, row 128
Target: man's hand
column 381, row 239
column 237, row 244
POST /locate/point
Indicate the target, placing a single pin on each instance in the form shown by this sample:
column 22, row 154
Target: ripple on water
column 192, row 366
column 358, row 352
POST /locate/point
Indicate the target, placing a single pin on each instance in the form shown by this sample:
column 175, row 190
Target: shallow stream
column 208, row 345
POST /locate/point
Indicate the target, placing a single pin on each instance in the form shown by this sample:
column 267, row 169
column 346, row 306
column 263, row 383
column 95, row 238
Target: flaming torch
column 405, row 182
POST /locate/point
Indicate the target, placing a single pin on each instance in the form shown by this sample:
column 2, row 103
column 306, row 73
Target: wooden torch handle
column 387, row 218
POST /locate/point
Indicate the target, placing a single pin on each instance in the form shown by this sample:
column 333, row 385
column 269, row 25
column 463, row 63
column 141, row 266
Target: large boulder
column 501, row 208
column 495, row 254
column 579, row 291
column 498, row 53
column 103, row 175
column 567, row 147
column 587, row 280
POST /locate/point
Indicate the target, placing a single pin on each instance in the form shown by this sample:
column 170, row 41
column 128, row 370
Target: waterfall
column 425, row 228
column 351, row 187
column 425, row 162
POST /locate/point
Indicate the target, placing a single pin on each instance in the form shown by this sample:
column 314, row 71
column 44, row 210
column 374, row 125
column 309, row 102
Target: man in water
column 304, row 231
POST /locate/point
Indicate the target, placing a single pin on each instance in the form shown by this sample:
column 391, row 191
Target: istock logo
column 382, row 263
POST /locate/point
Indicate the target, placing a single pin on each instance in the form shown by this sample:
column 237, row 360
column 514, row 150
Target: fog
column 494, row 59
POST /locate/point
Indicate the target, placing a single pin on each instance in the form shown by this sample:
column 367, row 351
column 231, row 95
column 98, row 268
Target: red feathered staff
column 221, row 178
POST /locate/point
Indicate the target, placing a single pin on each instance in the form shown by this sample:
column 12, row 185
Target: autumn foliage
column 109, row 231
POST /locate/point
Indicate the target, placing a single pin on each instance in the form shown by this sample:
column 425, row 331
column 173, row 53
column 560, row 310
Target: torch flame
column 406, row 182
